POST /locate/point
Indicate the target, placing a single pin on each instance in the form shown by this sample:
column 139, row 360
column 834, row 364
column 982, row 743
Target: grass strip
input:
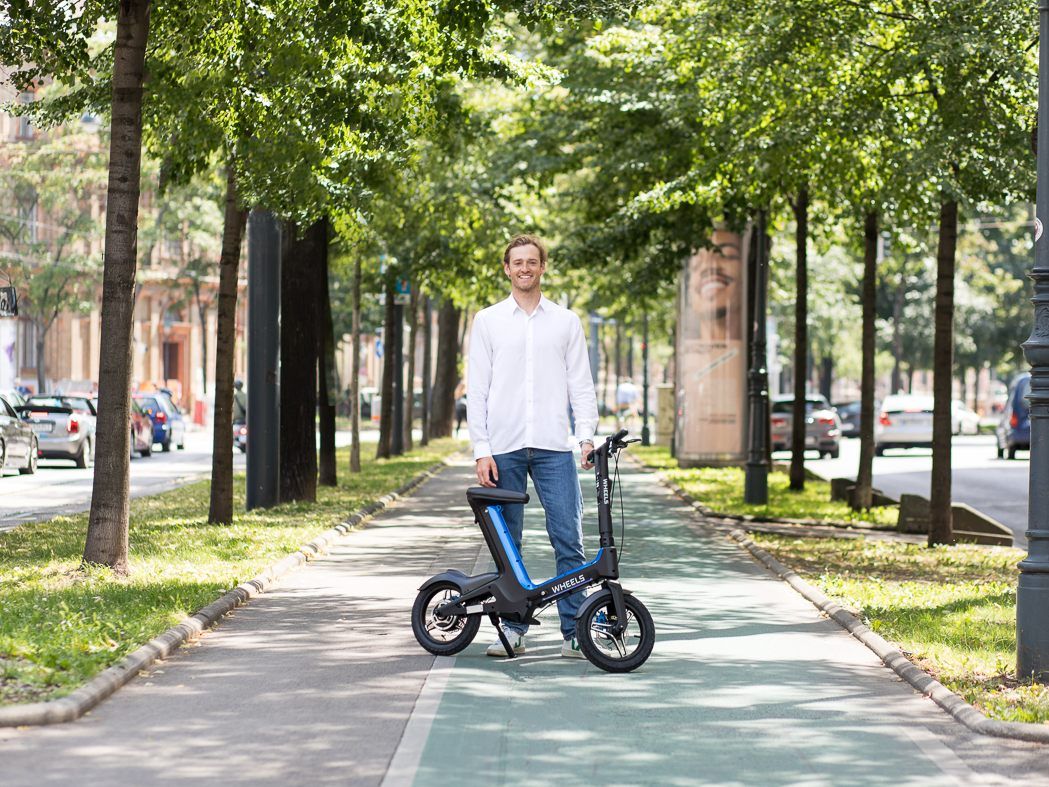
column 950, row 609
column 61, row 625
column 721, row 489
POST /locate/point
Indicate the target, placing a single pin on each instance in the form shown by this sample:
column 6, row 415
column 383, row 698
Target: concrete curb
column 107, row 682
column 894, row 659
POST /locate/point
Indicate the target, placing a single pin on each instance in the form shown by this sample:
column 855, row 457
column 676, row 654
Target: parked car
column 64, row 426
column 904, row 421
column 1014, row 429
column 849, row 413
column 141, row 427
column 18, row 443
column 169, row 428
column 141, row 431
column 964, row 420
column 13, row 397
column 822, row 425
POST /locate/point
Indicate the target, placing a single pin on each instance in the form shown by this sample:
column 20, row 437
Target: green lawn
column 951, row 609
column 59, row 625
column 721, row 489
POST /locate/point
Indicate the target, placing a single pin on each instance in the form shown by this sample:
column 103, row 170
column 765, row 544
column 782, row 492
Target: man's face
column 716, row 279
column 525, row 268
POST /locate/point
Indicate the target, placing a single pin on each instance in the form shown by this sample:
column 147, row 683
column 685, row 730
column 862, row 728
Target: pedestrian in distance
column 528, row 362
column 460, row 413
column 240, row 403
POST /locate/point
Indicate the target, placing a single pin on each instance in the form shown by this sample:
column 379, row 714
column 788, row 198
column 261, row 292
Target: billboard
column 712, row 354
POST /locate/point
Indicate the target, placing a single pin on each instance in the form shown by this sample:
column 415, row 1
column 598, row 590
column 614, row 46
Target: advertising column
column 711, row 355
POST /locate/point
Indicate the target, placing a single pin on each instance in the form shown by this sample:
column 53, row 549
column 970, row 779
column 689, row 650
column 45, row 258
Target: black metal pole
column 1032, row 592
column 396, row 350
column 644, row 377
column 263, row 360
column 756, row 484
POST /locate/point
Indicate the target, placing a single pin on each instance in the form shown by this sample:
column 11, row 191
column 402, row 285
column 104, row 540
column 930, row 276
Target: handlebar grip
column 619, row 435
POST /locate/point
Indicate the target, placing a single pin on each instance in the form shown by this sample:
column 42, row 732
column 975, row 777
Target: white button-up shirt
column 524, row 370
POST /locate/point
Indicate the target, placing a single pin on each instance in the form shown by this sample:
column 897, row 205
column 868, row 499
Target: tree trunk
column 41, row 359
column 941, row 529
column 220, row 510
column 355, row 374
column 801, row 340
column 827, row 376
column 443, row 409
column 298, row 361
column 389, row 357
column 409, row 383
column 327, row 379
column 865, row 474
column 910, row 378
column 107, row 531
column 897, row 338
column 976, row 389
column 427, row 368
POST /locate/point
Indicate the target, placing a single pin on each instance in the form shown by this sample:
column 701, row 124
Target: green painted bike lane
column 747, row 684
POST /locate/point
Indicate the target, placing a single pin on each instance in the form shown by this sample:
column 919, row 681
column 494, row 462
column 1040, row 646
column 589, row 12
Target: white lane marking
column 405, row 761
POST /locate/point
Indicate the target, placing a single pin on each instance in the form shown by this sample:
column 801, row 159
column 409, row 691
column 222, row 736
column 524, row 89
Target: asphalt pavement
column 997, row 487
column 321, row 681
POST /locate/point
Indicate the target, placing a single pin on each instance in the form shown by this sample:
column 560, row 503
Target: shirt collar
column 513, row 306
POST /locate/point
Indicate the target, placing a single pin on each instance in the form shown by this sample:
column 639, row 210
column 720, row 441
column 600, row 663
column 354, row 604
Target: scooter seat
column 496, row 496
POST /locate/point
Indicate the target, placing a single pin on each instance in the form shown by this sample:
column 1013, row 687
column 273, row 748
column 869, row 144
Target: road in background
column 997, row 487
column 59, row 487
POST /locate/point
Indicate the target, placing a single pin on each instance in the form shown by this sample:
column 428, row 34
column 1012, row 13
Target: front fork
column 619, row 605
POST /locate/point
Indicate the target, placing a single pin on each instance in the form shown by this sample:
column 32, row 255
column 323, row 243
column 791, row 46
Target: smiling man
column 528, row 362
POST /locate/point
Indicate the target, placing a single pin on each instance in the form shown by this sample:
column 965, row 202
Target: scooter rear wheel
column 622, row 653
column 442, row 636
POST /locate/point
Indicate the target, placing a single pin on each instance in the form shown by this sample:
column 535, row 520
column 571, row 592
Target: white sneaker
column 570, row 649
column 517, row 642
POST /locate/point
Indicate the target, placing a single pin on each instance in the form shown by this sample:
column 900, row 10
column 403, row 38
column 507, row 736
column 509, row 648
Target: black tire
column 147, row 451
column 3, row 456
column 166, row 446
column 601, row 650
column 86, row 457
column 34, row 452
column 1001, row 452
column 879, row 450
column 835, row 453
column 455, row 633
column 1012, row 452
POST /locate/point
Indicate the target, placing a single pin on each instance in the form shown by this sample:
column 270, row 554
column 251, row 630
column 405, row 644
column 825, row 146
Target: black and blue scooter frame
column 508, row 592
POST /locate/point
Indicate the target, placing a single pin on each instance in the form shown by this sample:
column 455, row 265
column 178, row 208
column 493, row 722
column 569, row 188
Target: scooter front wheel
column 442, row 636
column 612, row 652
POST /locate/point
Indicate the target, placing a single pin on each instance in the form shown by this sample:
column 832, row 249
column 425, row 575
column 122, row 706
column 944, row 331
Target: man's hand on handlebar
column 586, row 449
column 487, row 471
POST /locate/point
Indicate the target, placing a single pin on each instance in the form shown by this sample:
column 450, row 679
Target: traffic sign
column 8, row 302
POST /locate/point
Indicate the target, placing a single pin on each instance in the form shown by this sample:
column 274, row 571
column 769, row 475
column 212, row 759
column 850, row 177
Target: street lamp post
column 1032, row 593
column 644, row 383
column 756, row 482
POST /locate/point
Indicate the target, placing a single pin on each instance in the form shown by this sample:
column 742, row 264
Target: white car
column 963, row 420
column 905, row 421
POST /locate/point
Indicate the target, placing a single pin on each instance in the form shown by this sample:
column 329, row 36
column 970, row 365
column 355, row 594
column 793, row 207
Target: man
column 240, row 403
column 528, row 361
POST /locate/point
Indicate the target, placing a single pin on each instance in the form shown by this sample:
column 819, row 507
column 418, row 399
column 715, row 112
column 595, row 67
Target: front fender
column 594, row 599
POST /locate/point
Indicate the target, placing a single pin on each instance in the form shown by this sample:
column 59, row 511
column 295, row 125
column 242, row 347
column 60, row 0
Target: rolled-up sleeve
column 580, row 383
column 478, row 384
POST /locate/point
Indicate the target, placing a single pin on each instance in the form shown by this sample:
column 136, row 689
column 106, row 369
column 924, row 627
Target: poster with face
column 711, row 353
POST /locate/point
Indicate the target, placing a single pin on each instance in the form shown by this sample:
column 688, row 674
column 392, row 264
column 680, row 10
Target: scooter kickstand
column 502, row 635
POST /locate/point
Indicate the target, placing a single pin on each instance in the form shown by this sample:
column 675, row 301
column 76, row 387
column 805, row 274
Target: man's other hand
column 586, row 449
column 487, row 471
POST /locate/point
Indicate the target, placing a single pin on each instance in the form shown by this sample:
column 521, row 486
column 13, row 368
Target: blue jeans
column 554, row 478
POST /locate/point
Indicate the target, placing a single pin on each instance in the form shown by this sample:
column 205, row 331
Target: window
column 25, row 128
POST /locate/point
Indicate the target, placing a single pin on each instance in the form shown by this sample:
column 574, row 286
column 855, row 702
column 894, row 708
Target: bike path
column 747, row 685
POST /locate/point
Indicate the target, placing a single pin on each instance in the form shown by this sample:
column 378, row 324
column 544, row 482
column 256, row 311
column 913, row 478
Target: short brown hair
column 525, row 240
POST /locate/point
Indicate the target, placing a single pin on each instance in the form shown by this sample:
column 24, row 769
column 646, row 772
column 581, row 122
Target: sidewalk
column 321, row 681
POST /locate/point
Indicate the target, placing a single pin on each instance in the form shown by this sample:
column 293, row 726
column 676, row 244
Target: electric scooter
column 613, row 628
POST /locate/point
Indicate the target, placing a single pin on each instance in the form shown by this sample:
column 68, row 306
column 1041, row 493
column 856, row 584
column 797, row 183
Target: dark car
column 849, row 413
column 169, row 428
column 1014, row 429
column 141, row 426
column 822, row 425
column 64, row 426
column 18, row 443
